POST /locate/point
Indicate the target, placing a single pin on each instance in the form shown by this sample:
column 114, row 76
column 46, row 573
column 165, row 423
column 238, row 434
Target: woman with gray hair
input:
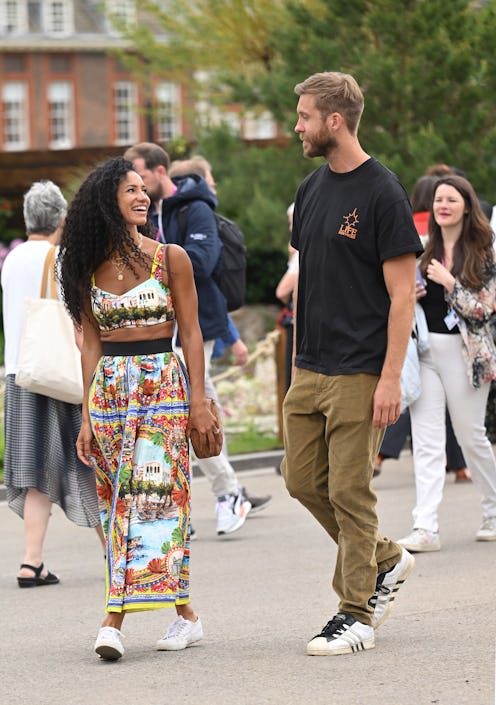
column 41, row 465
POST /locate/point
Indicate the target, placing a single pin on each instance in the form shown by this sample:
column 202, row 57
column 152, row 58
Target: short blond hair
column 194, row 165
column 335, row 92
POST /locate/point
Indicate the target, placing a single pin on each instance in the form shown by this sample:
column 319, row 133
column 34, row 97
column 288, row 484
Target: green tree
column 209, row 35
column 426, row 69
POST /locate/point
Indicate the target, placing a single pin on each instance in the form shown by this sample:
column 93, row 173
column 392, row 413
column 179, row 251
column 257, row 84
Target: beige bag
column 49, row 361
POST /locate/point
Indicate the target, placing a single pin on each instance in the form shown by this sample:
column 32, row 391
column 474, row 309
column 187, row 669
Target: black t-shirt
column 345, row 225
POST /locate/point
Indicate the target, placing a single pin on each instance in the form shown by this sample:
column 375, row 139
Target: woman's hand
column 438, row 273
column 84, row 444
column 204, row 422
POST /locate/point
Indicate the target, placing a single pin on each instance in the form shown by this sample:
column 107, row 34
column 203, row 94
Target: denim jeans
column 330, row 449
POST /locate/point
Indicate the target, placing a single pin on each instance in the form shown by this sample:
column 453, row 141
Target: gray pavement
column 262, row 594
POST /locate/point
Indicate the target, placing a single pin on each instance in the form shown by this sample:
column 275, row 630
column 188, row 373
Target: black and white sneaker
column 258, row 502
column 342, row 635
column 387, row 586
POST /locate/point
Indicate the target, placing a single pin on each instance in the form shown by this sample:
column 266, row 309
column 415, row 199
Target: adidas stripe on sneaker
column 342, row 635
column 387, row 585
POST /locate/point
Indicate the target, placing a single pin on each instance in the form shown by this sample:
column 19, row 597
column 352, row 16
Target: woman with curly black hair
column 456, row 371
column 125, row 290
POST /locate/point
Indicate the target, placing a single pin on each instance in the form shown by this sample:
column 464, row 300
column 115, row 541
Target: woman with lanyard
column 459, row 270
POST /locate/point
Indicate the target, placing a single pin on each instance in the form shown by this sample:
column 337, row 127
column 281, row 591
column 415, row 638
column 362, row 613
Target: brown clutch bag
column 200, row 442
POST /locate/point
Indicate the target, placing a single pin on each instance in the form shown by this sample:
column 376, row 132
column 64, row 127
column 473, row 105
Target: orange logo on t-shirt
column 347, row 228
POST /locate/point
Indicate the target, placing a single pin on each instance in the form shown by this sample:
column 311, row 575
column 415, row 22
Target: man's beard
column 155, row 193
column 320, row 145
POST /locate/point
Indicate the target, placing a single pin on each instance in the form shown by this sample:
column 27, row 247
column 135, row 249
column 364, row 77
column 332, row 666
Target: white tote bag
column 49, row 361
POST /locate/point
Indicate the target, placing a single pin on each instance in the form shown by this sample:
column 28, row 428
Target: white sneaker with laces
column 387, row 585
column 108, row 644
column 487, row 532
column 231, row 511
column 421, row 541
column 180, row 634
column 342, row 635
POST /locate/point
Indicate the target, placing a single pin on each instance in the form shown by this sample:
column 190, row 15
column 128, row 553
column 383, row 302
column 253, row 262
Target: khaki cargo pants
column 330, row 449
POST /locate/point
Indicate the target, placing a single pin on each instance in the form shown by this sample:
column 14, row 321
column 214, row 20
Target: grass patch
column 252, row 441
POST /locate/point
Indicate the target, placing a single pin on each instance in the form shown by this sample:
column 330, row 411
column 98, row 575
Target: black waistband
column 138, row 347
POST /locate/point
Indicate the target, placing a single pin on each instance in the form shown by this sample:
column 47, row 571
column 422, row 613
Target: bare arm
column 286, row 286
column 91, row 351
column 399, row 276
column 182, row 285
column 289, row 280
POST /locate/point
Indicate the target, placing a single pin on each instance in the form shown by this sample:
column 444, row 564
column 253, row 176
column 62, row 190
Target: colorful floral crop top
column 146, row 304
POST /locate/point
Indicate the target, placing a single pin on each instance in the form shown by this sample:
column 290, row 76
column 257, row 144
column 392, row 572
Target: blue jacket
column 203, row 245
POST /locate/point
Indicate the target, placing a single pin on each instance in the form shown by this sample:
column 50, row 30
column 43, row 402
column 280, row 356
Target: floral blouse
column 474, row 310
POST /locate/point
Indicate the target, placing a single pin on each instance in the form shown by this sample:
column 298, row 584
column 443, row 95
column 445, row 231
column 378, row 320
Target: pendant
column 120, row 277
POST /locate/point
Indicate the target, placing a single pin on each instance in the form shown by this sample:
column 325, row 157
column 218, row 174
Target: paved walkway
column 262, row 593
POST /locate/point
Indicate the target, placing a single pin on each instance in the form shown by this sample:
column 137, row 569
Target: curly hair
column 94, row 230
column 473, row 253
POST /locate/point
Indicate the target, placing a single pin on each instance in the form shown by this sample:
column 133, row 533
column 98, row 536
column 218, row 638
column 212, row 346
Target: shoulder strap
column 182, row 221
column 155, row 262
column 49, row 268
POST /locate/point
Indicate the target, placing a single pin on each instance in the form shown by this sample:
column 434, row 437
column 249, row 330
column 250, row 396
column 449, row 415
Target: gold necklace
column 118, row 262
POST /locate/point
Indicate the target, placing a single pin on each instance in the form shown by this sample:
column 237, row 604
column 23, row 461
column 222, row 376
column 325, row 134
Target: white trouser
column 218, row 470
column 443, row 374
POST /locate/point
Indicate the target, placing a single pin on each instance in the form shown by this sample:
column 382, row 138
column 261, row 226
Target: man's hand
column 387, row 403
column 240, row 353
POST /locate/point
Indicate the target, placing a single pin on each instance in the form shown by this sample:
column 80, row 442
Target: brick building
column 62, row 88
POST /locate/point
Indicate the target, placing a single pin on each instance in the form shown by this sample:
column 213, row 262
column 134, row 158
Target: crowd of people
column 149, row 317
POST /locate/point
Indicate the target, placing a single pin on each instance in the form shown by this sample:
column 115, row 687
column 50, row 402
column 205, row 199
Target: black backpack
column 230, row 273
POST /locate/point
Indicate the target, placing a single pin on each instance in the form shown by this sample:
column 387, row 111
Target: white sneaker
column 387, row 585
column 231, row 510
column 108, row 644
column 342, row 635
column 487, row 532
column 180, row 634
column 421, row 541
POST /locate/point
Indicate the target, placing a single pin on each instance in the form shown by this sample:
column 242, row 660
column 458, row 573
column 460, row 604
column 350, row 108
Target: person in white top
column 41, row 466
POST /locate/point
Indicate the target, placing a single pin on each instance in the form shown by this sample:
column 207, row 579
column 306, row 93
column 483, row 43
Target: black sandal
column 49, row 579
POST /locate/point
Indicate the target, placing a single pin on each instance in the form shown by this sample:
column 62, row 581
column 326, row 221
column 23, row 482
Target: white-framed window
column 14, row 114
column 61, row 112
column 13, row 17
column 261, row 126
column 58, row 17
column 210, row 116
column 168, row 97
column 125, row 120
column 120, row 12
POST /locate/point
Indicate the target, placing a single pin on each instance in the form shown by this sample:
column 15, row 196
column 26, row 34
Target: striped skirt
column 40, row 452
column 139, row 408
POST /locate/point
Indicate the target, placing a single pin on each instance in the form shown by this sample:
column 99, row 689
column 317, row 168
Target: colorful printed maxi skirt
column 139, row 408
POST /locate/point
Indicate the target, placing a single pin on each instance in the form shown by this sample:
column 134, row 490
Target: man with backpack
column 201, row 241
